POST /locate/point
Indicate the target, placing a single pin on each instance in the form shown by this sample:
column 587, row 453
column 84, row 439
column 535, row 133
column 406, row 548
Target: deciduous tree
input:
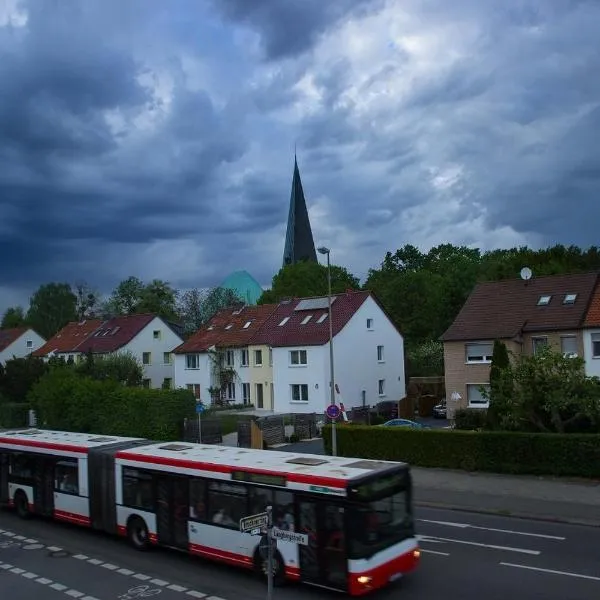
column 51, row 307
column 13, row 317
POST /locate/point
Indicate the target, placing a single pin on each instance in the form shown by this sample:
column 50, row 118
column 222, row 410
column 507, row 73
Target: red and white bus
column 356, row 513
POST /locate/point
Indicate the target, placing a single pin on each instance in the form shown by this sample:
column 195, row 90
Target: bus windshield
column 380, row 523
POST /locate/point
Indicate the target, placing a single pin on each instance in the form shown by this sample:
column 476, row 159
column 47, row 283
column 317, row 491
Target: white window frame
column 538, row 338
column 381, row 388
column 477, row 404
column 301, row 398
column 149, row 355
column 380, row 354
column 194, row 388
column 296, row 357
column 475, row 354
column 246, row 387
column 167, row 355
column 571, row 337
column 229, row 358
column 257, row 363
column 245, row 360
column 270, row 357
column 29, row 343
column 595, row 339
column 157, row 334
column 231, row 390
column 370, row 324
column 191, row 360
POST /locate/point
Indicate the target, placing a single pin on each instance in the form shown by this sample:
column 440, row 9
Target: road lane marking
column 468, row 526
column 491, row 546
column 434, row 552
column 551, row 571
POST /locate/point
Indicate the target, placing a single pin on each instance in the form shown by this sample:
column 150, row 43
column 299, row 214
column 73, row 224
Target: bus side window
column 283, row 510
column 227, row 503
column 21, row 466
column 198, row 499
column 137, row 489
column 66, row 477
column 260, row 498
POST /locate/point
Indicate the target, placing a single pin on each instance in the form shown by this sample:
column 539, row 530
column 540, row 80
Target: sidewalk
column 545, row 498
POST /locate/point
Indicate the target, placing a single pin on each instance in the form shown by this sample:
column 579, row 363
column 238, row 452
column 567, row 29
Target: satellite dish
column 526, row 273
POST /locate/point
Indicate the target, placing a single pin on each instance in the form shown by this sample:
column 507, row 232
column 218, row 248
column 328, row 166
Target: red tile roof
column 312, row 333
column 8, row 336
column 69, row 337
column 504, row 309
column 592, row 318
column 115, row 333
column 226, row 329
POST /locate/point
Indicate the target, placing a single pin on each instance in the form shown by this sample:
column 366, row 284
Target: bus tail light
column 364, row 579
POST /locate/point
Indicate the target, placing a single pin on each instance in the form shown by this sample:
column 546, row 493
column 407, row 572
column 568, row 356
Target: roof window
column 229, row 326
column 306, row 319
column 570, row 298
column 175, row 447
column 307, row 460
column 322, row 318
column 544, row 300
column 247, row 324
column 284, row 321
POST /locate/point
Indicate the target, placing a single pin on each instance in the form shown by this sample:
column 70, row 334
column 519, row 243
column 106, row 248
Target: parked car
column 439, row 410
column 404, row 423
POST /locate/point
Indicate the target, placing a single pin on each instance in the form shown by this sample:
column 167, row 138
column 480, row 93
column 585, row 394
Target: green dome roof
column 244, row 285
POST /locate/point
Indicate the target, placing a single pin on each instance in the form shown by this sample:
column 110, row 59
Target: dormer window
column 544, row 300
column 570, row 299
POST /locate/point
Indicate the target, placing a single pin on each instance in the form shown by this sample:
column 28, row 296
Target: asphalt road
column 465, row 556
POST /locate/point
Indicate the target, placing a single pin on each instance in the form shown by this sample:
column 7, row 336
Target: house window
column 570, row 298
column 381, row 387
column 544, row 300
column 195, row 389
column 479, row 353
column 322, row 318
column 229, row 358
column 297, row 357
column 231, row 390
column 247, row 324
column 156, row 334
column 306, row 320
column 596, row 345
column 299, row 392
column 474, row 396
column 568, row 345
column 270, row 357
column 167, row 358
column 192, row 361
column 258, row 358
column 244, row 362
column 167, row 383
column 284, row 321
column 146, row 383
column 259, row 395
column 380, row 353
column 537, row 343
column 246, row 393
column 369, row 323
column 147, row 358
column 29, row 343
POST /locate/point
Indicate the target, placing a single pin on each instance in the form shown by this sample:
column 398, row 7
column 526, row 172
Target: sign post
column 199, row 410
column 270, row 553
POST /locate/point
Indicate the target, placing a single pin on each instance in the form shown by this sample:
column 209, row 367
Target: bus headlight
column 416, row 554
column 364, row 579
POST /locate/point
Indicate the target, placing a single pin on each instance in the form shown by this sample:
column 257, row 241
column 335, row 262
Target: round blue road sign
column 333, row 411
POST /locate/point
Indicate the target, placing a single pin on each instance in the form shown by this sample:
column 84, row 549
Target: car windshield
column 379, row 524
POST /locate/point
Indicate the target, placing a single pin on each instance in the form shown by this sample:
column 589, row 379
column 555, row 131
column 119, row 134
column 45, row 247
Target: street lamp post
column 327, row 251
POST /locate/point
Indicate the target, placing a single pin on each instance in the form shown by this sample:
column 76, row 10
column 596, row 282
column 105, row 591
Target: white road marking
column 125, row 572
column 510, row 531
column 74, row 593
column 176, row 588
column 435, row 552
column 54, row 549
column 195, row 594
column 43, row 581
column 491, row 546
column 95, row 561
column 426, row 538
column 59, row 587
column 160, row 582
column 141, row 577
column 30, row 575
column 551, row 571
column 81, row 557
column 109, row 567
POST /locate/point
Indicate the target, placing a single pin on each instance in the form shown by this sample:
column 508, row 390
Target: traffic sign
column 290, row 536
column 333, row 411
column 200, row 408
column 251, row 522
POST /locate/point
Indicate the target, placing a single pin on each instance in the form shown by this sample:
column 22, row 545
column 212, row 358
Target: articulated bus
column 356, row 514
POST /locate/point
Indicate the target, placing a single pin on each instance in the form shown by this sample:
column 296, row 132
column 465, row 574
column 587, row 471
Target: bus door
column 172, row 509
column 43, row 493
column 323, row 561
column 4, row 462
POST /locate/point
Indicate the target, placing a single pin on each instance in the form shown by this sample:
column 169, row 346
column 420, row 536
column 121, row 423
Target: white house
column 368, row 353
column 18, row 342
column 219, row 357
column 149, row 338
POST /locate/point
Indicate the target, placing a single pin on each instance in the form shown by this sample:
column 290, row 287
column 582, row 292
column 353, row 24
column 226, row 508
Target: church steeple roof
column 299, row 242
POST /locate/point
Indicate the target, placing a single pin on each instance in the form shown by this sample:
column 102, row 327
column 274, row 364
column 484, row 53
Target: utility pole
column 270, row 553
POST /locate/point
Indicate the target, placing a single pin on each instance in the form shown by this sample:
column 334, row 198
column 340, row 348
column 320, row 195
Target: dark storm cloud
column 290, row 27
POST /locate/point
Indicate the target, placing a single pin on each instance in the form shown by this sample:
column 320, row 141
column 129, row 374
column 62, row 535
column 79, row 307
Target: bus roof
column 60, row 441
column 301, row 469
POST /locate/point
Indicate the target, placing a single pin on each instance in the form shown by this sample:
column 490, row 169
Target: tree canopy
column 51, row 307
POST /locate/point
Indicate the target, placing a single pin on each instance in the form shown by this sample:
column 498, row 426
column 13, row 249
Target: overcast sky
column 156, row 138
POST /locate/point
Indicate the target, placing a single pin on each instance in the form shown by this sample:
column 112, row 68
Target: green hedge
column 14, row 414
column 65, row 400
column 492, row 451
column 470, row 418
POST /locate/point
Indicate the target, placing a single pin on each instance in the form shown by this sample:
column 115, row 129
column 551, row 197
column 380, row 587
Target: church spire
column 299, row 243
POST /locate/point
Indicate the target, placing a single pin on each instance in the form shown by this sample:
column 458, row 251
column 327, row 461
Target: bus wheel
column 137, row 533
column 22, row 505
column 261, row 565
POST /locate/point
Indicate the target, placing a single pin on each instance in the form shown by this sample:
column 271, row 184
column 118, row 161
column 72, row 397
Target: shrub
column 470, row 418
column 13, row 414
column 575, row 455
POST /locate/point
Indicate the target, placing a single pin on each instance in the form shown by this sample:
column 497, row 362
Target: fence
column 305, row 425
column 211, row 431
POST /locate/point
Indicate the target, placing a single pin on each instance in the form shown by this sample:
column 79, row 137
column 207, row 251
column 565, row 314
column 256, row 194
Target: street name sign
column 290, row 536
column 251, row 522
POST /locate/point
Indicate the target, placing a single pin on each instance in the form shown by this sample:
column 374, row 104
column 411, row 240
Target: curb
column 509, row 514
